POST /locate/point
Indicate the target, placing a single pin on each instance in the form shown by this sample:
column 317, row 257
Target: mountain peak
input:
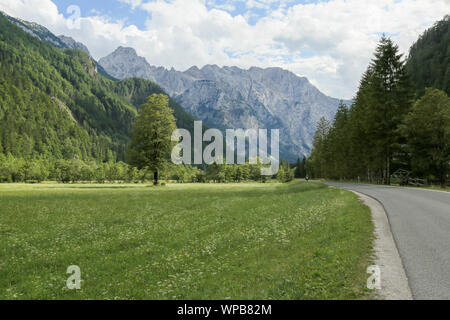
column 211, row 67
column 124, row 62
column 126, row 51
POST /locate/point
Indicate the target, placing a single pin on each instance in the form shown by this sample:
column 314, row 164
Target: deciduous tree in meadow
column 151, row 144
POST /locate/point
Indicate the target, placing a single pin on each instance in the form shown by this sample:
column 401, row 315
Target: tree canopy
column 427, row 132
column 151, row 144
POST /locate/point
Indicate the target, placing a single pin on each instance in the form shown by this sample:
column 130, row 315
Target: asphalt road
column 420, row 223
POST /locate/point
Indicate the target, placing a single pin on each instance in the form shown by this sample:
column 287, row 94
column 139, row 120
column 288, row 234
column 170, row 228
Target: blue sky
column 111, row 9
column 330, row 42
column 124, row 11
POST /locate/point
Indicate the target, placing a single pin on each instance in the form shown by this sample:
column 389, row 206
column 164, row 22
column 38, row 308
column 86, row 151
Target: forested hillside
column 55, row 105
column 429, row 59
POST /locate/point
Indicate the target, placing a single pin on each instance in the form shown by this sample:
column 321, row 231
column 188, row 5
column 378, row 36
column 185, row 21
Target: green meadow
column 184, row 241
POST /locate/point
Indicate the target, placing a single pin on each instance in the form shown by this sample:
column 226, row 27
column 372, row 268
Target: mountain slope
column 54, row 104
column 42, row 33
column 231, row 97
column 429, row 59
column 61, row 42
column 72, row 44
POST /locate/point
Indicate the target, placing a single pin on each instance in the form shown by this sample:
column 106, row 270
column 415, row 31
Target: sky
column 330, row 42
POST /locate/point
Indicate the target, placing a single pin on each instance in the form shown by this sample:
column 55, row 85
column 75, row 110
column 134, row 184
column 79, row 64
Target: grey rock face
column 72, row 44
column 232, row 98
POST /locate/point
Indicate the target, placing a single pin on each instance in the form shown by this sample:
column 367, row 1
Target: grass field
column 243, row 241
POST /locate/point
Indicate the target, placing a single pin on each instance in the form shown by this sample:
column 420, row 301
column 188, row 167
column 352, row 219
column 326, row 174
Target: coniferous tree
column 319, row 153
column 299, row 169
column 390, row 98
column 337, row 163
column 361, row 143
column 364, row 140
column 304, row 170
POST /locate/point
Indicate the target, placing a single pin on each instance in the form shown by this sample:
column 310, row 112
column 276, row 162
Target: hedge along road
column 420, row 223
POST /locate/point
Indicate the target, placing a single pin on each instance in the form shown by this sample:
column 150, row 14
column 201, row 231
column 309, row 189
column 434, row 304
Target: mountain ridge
column 42, row 33
column 231, row 97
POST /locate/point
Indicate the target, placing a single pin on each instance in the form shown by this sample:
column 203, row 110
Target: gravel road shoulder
column 394, row 282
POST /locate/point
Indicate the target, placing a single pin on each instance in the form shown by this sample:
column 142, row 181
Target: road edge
column 394, row 282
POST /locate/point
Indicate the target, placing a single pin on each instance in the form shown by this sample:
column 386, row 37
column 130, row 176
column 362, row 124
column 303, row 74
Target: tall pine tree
column 389, row 99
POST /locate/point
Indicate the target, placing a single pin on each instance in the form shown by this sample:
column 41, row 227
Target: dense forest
column 400, row 118
column 429, row 59
column 56, row 105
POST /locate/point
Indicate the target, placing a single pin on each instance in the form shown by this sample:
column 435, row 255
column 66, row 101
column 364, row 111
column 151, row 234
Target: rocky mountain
column 72, row 44
column 42, row 33
column 231, row 97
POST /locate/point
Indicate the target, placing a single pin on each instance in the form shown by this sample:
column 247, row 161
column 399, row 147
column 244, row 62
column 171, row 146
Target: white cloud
column 133, row 3
column 329, row 42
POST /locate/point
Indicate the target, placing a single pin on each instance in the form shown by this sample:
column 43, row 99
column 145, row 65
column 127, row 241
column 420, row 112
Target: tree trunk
column 156, row 178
